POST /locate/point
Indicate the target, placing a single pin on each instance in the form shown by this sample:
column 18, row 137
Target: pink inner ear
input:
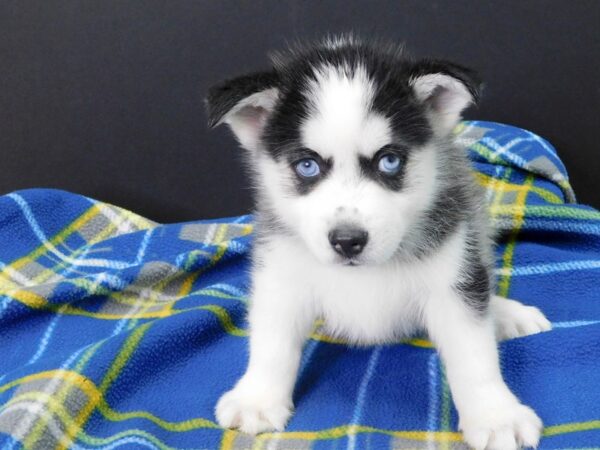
column 253, row 116
column 444, row 94
column 449, row 99
column 248, row 118
column 440, row 98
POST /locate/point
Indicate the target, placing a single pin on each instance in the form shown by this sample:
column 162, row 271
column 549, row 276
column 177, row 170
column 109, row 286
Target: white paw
column 508, row 427
column 252, row 413
column 513, row 319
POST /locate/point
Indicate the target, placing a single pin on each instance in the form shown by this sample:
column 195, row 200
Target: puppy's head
column 345, row 139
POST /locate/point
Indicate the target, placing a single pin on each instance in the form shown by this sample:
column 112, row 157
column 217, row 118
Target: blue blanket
column 119, row 332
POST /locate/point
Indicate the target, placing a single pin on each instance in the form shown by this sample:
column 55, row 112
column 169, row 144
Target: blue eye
column 389, row 164
column 308, row 168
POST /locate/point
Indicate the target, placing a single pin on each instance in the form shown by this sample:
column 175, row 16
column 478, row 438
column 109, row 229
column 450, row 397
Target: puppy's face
column 343, row 143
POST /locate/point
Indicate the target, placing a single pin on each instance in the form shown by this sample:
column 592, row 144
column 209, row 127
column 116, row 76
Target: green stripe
column 123, row 357
column 552, row 211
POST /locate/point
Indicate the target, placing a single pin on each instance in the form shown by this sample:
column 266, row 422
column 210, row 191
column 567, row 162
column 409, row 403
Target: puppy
column 368, row 216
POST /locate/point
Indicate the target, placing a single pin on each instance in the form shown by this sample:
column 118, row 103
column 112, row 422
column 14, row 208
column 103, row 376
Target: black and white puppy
column 369, row 217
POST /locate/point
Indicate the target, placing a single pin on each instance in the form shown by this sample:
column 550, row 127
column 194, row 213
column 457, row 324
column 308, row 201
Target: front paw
column 252, row 413
column 513, row 319
column 507, row 427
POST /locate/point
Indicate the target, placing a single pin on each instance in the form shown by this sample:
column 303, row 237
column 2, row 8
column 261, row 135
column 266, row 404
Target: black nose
column 348, row 242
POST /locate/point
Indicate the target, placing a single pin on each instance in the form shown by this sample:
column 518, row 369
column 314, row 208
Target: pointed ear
column 244, row 104
column 446, row 89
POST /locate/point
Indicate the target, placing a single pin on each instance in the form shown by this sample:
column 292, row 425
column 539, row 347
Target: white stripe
column 118, row 221
column 433, row 410
column 38, row 410
column 227, row 289
column 47, row 335
column 210, row 234
column 574, row 323
column 15, row 275
column 500, row 150
column 542, row 269
column 362, row 393
column 52, row 249
column 25, row 425
column 560, row 224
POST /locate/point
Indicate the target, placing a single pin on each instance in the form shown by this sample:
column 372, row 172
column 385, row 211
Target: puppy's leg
column 279, row 323
column 513, row 319
column 491, row 417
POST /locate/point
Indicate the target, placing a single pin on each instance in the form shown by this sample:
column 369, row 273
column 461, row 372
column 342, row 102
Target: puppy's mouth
column 352, row 262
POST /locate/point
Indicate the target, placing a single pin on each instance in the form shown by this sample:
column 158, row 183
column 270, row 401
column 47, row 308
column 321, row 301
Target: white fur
column 297, row 277
column 514, row 319
column 372, row 305
column 342, row 129
column 342, row 123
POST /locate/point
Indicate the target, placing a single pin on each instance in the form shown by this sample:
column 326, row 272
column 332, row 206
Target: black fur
column 388, row 66
column 225, row 95
column 457, row 201
column 386, row 63
column 476, row 281
column 305, row 185
column 468, row 77
column 474, row 287
column 370, row 167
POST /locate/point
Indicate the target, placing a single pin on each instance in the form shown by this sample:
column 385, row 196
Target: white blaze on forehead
column 341, row 122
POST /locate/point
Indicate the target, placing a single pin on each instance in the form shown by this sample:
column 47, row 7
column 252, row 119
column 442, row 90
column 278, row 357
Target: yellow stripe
column 66, row 375
column 124, row 355
column 46, row 273
column 141, row 222
column 187, row 284
column 572, row 427
column 99, row 236
column 129, row 347
column 222, row 245
column 507, row 257
column 459, row 128
column 87, row 386
column 346, row 430
column 36, row 301
column 60, row 397
column 488, row 154
column 95, row 397
column 221, row 313
column 57, row 239
column 54, row 407
column 224, row 319
column 497, row 184
column 31, row 299
column 228, row 440
column 105, row 441
column 499, row 189
column 423, row 343
column 73, row 426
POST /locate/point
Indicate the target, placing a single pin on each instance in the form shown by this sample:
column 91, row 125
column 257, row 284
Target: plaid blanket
column 119, row 332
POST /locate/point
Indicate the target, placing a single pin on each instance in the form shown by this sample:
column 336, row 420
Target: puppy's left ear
column 446, row 89
column 244, row 103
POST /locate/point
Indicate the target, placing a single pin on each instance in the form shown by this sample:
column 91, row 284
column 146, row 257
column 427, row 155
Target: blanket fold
column 118, row 332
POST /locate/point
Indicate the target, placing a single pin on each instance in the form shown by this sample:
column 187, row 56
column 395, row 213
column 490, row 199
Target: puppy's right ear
column 245, row 104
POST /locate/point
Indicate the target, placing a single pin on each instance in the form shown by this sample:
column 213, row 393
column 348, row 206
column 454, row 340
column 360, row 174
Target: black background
column 105, row 98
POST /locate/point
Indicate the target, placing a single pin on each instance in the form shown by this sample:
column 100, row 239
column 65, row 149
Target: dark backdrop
column 105, row 97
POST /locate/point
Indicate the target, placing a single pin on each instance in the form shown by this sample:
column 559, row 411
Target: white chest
column 363, row 304
column 371, row 305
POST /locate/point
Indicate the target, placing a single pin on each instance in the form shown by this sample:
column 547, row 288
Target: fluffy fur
column 425, row 259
